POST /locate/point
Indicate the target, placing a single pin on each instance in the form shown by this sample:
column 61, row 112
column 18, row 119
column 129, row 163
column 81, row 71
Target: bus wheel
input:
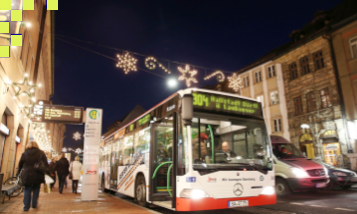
column 281, row 187
column 140, row 191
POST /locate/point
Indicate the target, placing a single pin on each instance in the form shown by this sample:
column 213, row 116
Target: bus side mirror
column 187, row 109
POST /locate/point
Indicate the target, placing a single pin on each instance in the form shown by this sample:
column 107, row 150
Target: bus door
column 161, row 164
column 114, row 162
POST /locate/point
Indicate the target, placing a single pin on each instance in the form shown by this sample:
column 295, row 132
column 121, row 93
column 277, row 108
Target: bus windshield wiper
column 254, row 166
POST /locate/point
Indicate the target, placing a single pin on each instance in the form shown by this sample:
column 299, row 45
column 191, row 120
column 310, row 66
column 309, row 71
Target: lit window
column 353, row 43
column 325, row 98
column 258, row 77
column 277, row 125
column 274, row 97
column 261, row 99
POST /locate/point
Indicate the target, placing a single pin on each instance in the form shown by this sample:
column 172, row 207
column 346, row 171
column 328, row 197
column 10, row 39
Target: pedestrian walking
column 34, row 164
column 62, row 171
column 75, row 169
column 52, row 171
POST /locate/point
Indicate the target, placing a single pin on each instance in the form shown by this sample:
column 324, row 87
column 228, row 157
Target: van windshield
column 286, row 151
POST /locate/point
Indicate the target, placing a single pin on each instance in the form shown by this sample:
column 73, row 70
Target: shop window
column 261, row 99
column 258, row 76
column 311, row 103
column 274, row 97
column 298, row 105
column 271, row 71
column 318, row 60
column 304, row 63
column 277, row 125
column 246, row 81
column 293, row 71
column 353, row 45
column 325, row 98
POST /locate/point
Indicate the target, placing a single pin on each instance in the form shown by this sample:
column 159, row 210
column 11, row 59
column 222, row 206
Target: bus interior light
column 268, row 191
column 193, row 193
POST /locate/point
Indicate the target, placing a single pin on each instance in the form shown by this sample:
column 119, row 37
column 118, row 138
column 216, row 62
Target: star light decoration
column 127, row 62
column 235, row 82
column 187, row 75
column 77, row 136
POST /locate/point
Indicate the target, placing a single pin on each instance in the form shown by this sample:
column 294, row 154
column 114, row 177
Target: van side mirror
column 187, row 109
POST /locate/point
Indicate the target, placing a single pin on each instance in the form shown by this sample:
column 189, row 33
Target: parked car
column 339, row 177
column 293, row 171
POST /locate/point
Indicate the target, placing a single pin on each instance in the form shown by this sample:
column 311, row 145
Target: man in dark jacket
column 52, row 170
column 227, row 151
column 32, row 178
column 62, row 166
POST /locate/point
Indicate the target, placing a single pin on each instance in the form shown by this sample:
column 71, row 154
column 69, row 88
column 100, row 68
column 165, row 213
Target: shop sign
column 119, row 134
column 4, row 129
column 18, row 140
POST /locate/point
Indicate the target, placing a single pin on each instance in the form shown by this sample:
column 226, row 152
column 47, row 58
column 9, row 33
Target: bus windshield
column 229, row 144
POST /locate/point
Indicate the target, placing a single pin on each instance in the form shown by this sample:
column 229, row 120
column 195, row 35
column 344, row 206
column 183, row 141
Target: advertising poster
column 93, row 132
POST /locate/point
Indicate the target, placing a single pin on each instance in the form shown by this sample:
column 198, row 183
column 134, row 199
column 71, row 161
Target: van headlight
column 268, row 191
column 299, row 173
column 193, row 193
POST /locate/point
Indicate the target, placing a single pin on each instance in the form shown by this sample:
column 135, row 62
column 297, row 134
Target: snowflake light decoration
column 190, row 77
column 127, row 62
column 235, row 82
column 77, row 136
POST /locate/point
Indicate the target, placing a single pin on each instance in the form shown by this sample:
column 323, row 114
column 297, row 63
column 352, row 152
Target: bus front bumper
column 187, row 204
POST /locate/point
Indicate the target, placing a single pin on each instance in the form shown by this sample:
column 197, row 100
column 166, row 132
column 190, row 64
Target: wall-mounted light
column 352, row 130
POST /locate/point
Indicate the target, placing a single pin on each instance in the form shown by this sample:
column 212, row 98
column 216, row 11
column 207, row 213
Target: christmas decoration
column 150, row 63
column 235, row 82
column 186, row 72
column 77, row 136
column 219, row 74
column 127, row 62
column 25, row 88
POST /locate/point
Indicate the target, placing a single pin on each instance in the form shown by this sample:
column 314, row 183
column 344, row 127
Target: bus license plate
column 242, row 203
column 320, row 185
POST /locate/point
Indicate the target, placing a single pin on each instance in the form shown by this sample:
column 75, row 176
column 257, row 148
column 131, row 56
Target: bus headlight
column 193, row 193
column 299, row 173
column 268, row 191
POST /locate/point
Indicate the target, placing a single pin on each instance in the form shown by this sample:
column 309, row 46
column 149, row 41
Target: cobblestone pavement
column 68, row 202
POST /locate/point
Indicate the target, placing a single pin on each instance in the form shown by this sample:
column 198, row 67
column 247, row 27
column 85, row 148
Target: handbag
column 40, row 167
column 47, row 188
column 20, row 181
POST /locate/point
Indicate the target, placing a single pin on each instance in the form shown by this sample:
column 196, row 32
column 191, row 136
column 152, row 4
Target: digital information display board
column 221, row 103
column 62, row 114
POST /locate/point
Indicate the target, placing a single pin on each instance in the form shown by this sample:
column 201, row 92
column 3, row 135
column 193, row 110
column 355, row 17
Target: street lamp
column 172, row 83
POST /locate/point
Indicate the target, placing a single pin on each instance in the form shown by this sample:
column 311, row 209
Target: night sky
column 225, row 35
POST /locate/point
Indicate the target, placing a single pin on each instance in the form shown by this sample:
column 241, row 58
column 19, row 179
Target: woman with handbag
column 62, row 171
column 34, row 164
column 75, row 173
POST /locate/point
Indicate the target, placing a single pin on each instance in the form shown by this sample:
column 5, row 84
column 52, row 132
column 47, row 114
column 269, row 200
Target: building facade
column 28, row 66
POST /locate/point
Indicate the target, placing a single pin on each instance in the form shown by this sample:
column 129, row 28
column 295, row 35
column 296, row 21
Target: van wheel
column 281, row 187
column 140, row 191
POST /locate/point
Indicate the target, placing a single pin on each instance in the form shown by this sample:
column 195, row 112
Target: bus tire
column 140, row 191
column 281, row 187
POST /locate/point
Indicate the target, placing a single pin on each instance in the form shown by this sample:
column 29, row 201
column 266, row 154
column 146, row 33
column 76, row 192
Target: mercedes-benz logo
column 238, row 189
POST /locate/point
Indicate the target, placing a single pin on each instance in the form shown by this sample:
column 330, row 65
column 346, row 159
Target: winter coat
column 27, row 162
column 62, row 166
column 76, row 168
column 52, row 169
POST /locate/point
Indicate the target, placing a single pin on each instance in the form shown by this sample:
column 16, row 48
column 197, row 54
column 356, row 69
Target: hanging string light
column 150, row 63
column 220, row 76
column 127, row 62
column 187, row 75
column 235, row 82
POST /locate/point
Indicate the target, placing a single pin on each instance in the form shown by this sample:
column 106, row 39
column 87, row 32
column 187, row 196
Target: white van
column 293, row 171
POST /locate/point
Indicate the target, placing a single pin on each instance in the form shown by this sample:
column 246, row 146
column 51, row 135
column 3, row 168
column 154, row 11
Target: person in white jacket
column 75, row 169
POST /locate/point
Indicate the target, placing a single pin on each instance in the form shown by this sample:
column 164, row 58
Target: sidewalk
column 68, row 202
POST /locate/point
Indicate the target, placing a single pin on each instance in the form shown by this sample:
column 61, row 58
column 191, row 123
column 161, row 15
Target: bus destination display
column 63, row 114
column 221, row 103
